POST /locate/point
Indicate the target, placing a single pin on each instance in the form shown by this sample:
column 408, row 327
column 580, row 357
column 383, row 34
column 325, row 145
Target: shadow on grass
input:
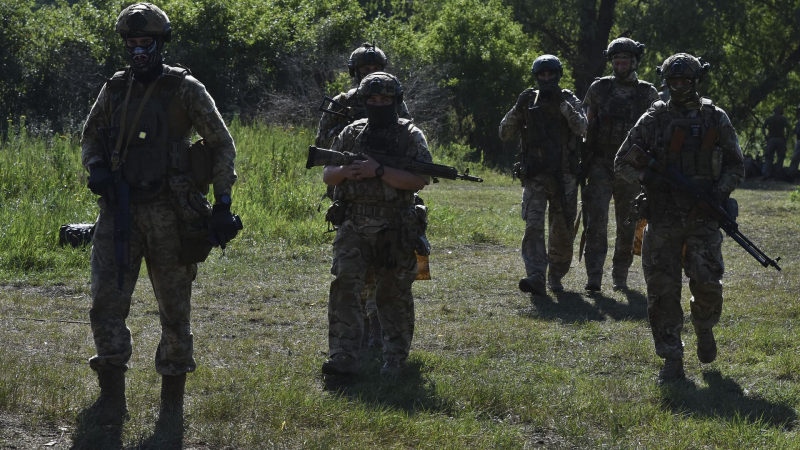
column 411, row 392
column 724, row 398
column 91, row 434
column 634, row 309
column 567, row 307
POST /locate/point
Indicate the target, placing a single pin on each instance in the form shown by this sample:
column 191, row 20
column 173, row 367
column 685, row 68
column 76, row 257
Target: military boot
column 619, row 279
column 671, row 372
column 554, row 283
column 340, row 364
column 533, row 285
column 169, row 427
column 375, row 339
column 110, row 408
column 706, row 345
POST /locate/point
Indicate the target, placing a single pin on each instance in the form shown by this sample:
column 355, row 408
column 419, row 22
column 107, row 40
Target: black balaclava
column 382, row 116
column 145, row 61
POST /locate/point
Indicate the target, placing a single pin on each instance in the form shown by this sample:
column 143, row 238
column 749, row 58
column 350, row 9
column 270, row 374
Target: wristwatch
column 379, row 171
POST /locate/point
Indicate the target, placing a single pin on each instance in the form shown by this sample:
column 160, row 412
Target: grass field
column 489, row 367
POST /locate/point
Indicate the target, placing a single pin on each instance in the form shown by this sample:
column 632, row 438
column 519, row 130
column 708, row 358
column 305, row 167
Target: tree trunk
column 595, row 26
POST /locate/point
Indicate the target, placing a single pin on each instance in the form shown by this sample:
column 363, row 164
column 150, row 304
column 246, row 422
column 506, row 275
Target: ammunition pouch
column 195, row 245
column 336, row 213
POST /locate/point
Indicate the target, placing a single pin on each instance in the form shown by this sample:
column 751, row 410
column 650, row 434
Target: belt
column 368, row 210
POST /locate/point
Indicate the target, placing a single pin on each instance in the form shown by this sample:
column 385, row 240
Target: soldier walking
column 378, row 232
column 135, row 146
column 691, row 138
column 549, row 123
column 775, row 128
column 613, row 104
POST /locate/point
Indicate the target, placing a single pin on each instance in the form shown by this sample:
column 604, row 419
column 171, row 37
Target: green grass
column 489, row 368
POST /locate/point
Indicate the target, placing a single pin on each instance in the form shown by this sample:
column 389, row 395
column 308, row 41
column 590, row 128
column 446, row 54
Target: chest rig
column 619, row 107
column 548, row 144
column 373, row 191
column 688, row 145
column 151, row 129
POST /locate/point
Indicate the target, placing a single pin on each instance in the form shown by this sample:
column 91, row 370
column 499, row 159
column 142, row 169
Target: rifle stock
column 325, row 157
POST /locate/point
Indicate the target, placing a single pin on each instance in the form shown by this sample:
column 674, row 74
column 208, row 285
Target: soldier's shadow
column 724, row 398
column 411, row 392
column 635, row 308
column 568, row 307
column 90, row 434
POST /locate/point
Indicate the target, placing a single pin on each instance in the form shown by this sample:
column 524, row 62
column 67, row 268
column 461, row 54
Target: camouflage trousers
column 774, row 154
column 695, row 247
column 355, row 252
column 795, row 162
column 154, row 237
column 600, row 187
column 541, row 195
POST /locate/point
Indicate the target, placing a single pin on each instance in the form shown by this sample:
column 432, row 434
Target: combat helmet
column 683, row 65
column 623, row 44
column 381, row 83
column 143, row 19
column 367, row 54
column 547, row 62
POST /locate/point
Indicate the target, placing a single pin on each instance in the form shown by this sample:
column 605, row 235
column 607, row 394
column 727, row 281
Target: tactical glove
column 223, row 226
column 100, row 179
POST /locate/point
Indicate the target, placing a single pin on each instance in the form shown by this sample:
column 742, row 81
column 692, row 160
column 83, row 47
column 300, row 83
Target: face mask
column 145, row 61
column 684, row 95
column 381, row 116
column 548, row 86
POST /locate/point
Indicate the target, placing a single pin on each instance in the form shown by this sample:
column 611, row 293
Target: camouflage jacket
column 776, row 126
column 189, row 107
column 612, row 107
column 563, row 122
column 700, row 144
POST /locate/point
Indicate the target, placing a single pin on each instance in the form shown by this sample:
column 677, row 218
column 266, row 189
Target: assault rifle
column 324, row 157
column 711, row 205
column 327, row 107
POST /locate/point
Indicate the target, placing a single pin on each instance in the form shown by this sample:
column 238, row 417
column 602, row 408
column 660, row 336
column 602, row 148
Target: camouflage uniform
column 795, row 162
column 613, row 105
column 151, row 165
column 678, row 234
column 555, row 184
column 379, row 233
column 775, row 129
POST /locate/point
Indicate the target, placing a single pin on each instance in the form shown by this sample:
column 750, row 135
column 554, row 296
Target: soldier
column 363, row 61
column 691, row 137
column 135, row 146
column 793, row 164
column 612, row 104
column 549, row 123
column 378, row 231
column 775, row 128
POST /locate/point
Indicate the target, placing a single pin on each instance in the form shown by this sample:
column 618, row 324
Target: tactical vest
column 687, row 145
column 373, row 191
column 616, row 114
column 155, row 144
column 548, row 144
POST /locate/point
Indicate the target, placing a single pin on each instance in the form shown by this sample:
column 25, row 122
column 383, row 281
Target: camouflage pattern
column 613, row 105
column 540, row 190
column 775, row 128
column 678, row 234
column 143, row 19
column 155, row 230
column 374, row 242
column 330, row 124
column 795, row 162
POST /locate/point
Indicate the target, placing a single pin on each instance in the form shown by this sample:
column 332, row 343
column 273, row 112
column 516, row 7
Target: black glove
column 100, row 179
column 223, row 226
